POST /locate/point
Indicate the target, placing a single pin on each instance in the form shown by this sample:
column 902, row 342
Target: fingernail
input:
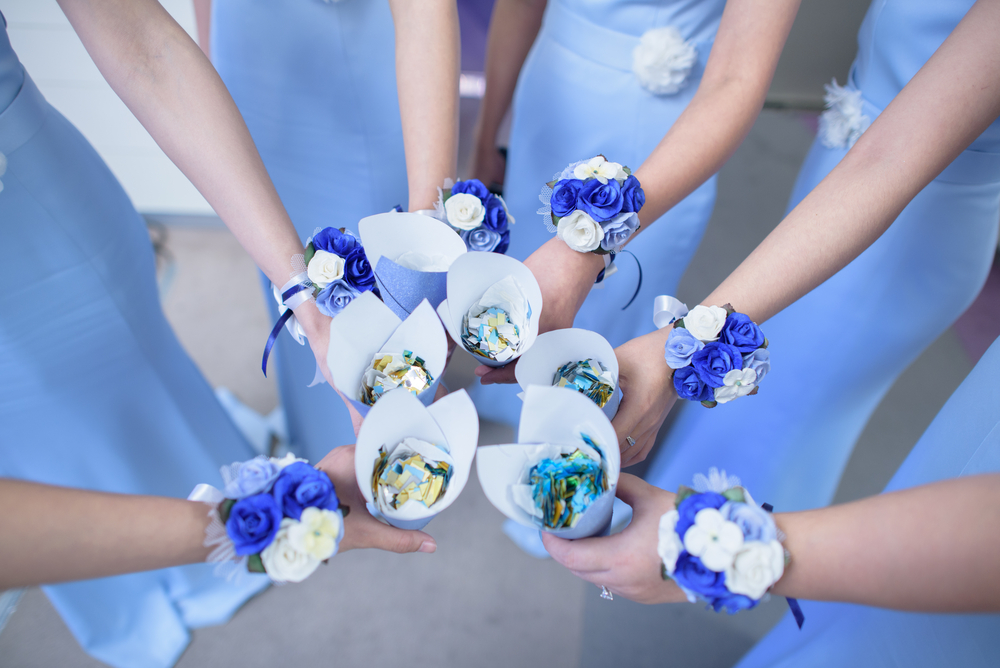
column 428, row 546
column 482, row 371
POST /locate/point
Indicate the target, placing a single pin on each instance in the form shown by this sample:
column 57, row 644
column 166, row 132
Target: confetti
column 406, row 475
column 563, row 487
column 588, row 377
column 391, row 370
column 495, row 325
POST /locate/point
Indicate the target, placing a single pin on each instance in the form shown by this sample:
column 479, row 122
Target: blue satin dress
column 836, row 351
column 964, row 439
column 97, row 392
column 577, row 97
column 316, row 84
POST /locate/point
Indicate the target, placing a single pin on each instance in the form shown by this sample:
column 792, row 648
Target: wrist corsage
column 716, row 353
column 719, row 546
column 593, row 205
column 480, row 217
column 275, row 516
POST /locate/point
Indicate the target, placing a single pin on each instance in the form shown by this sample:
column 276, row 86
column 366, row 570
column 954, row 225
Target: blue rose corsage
column 281, row 517
column 593, row 205
column 479, row 216
column 719, row 546
column 716, row 353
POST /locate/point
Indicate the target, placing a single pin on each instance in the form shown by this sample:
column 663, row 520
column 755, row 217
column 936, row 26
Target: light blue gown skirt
column 97, row 392
column 577, row 97
column 964, row 439
column 316, row 84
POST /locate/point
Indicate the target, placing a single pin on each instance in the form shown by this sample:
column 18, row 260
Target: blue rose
column 253, row 523
column 473, row 187
column 689, row 386
column 633, row 195
column 334, row 297
column 357, row 271
column 481, row 239
column 618, row 230
column 504, row 243
column 681, row 345
column 742, row 333
column 756, row 523
column 300, row 486
column 332, row 240
column 759, row 360
column 564, row 196
column 714, row 361
column 253, row 477
column 691, row 574
column 733, row 603
column 496, row 215
column 601, row 201
column 690, row 506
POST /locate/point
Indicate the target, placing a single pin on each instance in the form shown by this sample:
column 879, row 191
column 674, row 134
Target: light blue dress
column 577, row 97
column 97, row 392
column 316, row 84
column 964, row 439
column 836, row 351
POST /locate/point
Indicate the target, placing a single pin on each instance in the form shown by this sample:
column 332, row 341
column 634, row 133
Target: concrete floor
column 480, row 601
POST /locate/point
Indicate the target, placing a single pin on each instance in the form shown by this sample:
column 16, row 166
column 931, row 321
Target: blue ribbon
column 600, row 275
column 295, row 289
column 793, row 603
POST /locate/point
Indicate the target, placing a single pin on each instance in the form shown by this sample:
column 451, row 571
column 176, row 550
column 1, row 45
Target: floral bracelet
column 275, row 516
column 479, row 216
column 719, row 546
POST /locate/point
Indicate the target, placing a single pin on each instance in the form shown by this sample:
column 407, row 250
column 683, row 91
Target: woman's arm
column 203, row 22
column 929, row 549
column 428, row 60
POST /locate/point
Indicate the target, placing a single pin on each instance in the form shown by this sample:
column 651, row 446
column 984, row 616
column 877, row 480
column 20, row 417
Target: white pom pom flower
column 580, row 232
column 282, row 561
column 601, row 169
column 844, row 121
column 736, row 383
column 713, row 539
column 662, row 62
column 316, row 533
column 756, row 568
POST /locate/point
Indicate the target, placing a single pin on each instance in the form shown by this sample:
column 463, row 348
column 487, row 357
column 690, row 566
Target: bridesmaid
column 317, row 85
column 97, row 392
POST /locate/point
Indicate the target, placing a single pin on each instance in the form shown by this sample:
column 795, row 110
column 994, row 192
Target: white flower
column 736, row 383
column 669, row 545
column 713, row 539
column 287, row 460
column 663, row 60
column 324, row 268
column 316, row 533
column 843, row 121
column 282, row 561
column 580, row 232
column 464, row 211
column 756, row 567
column 601, row 169
column 705, row 322
column 715, row 481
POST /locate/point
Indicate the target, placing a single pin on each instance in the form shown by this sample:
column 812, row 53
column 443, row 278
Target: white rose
column 669, row 545
column 464, row 211
column 316, row 533
column 713, row 539
column 282, row 561
column 756, row 567
column 324, row 268
column 736, row 383
column 580, row 232
column 663, row 60
column 705, row 322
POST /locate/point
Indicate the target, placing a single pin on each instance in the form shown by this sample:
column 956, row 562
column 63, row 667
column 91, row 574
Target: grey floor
column 478, row 600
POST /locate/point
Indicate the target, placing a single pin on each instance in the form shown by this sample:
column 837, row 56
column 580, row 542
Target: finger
column 638, row 452
column 504, row 374
column 592, row 578
column 633, row 490
column 442, row 391
column 391, row 539
column 585, row 554
column 356, row 418
column 625, row 421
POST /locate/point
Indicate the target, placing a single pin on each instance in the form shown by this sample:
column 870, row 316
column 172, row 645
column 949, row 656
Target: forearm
column 930, row 548
column 427, row 67
column 58, row 534
column 203, row 20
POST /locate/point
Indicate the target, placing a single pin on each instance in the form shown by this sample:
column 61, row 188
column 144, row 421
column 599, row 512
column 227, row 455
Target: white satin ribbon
column 299, row 297
column 667, row 310
column 205, row 494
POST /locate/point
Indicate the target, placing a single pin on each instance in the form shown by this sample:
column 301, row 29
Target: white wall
column 58, row 63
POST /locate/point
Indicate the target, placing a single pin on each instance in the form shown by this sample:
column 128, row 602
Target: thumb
column 633, row 490
column 391, row 539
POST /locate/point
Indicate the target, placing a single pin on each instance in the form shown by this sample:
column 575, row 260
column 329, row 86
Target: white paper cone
column 391, row 234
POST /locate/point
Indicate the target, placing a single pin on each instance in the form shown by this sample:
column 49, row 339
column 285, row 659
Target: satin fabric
column 97, row 392
column 837, row 351
column 316, row 84
column 963, row 439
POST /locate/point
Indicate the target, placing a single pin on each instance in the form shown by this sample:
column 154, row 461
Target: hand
column 488, row 164
column 647, row 394
column 361, row 530
column 626, row 563
column 565, row 278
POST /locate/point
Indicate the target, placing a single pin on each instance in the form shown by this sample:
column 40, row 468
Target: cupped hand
column 361, row 530
column 626, row 563
column 647, row 394
column 565, row 278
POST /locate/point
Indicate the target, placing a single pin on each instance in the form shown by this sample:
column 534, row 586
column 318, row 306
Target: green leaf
column 753, row 391
column 710, row 404
column 310, row 251
column 445, row 194
column 552, row 184
column 766, row 343
column 729, row 309
column 255, row 564
column 346, row 510
column 555, row 219
column 225, row 508
column 735, row 494
column 679, row 324
column 683, row 492
column 626, row 170
column 663, row 572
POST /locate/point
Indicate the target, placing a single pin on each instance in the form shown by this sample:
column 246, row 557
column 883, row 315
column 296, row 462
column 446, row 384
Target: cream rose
column 756, row 567
column 464, row 211
column 316, row 533
column 324, row 268
column 669, row 545
column 282, row 561
column 705, row 322
column 713, row 539
column 580, row 232
column 736, row 383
